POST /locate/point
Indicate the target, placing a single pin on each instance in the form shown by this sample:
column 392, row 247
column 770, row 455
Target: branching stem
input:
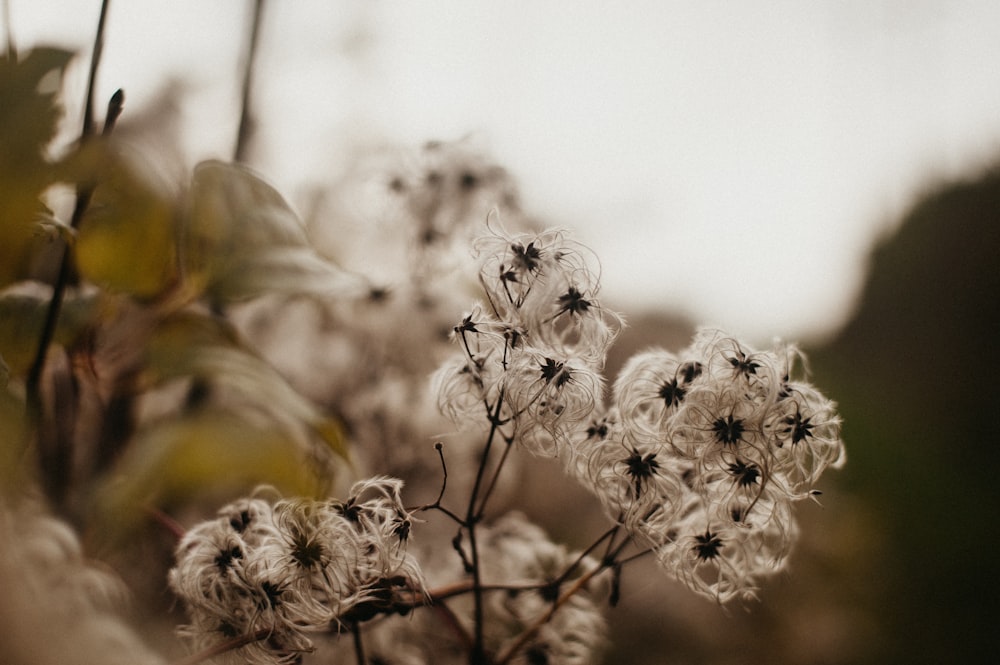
column 436, row 505
column 473, row 515
column 505, row 656
column 610, row 533
column 495, row 476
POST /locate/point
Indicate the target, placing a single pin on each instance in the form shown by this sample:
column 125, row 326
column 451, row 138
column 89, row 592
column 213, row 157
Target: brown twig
column 175, row 528
column 246, row 128
column 505, row 656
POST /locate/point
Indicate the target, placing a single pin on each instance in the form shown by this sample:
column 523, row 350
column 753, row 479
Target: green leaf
column 242, row 240
column 29, row 114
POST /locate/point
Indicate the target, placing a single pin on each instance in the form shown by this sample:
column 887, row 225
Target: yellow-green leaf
column 28, row 117
column 127, row 240
column 189, row 344
column 209, row 453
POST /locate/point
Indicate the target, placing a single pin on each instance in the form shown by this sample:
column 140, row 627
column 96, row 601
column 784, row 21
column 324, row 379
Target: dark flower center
column 707, row 546
column 307, row 552
column 728, row 431
column 225, row 558
column 555, row 372
column 745, row 474
column 527, row 258
column 573, row 302
column 672, row 392
column 641, row 468
column 742, row 364
column 800, row 428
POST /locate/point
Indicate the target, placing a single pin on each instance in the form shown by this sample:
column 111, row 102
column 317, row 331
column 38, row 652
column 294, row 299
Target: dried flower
column 294, row 568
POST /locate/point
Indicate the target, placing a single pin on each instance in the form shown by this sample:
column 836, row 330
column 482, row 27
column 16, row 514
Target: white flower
column 806, row 431
column 727, row 359
column 651, row 387
column 712, row 447
column 723, row 560
column 467, row 385
column 718, row 425
column 381, row 526
column 544, row 284
column 640, row 484
column 548, row 396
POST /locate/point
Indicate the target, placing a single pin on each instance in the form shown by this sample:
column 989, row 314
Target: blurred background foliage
column 914, row 372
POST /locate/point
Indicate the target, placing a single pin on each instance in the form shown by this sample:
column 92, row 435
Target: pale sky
column 735, row 160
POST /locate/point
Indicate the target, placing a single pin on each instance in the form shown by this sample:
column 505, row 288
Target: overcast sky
column 735, row 160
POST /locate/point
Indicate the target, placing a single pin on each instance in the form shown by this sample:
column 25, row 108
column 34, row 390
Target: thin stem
column 439, row 447
column 8, row 33
column 82, row 201
column 83, row 195
column 59, row 458
column 494, row 417
column 478, row 654
column 223, row 647
column 359, row 645
column 436, row 505
column 434, row 596
column 610, row 533
column 636, row 556
column 246, row 129
column 452, row 516
column 495, row 476
column 167, row 522
column 95, row 61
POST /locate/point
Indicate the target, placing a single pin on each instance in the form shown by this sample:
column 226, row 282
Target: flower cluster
column 280, row 570
column 532, row 356
column 702, row 454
